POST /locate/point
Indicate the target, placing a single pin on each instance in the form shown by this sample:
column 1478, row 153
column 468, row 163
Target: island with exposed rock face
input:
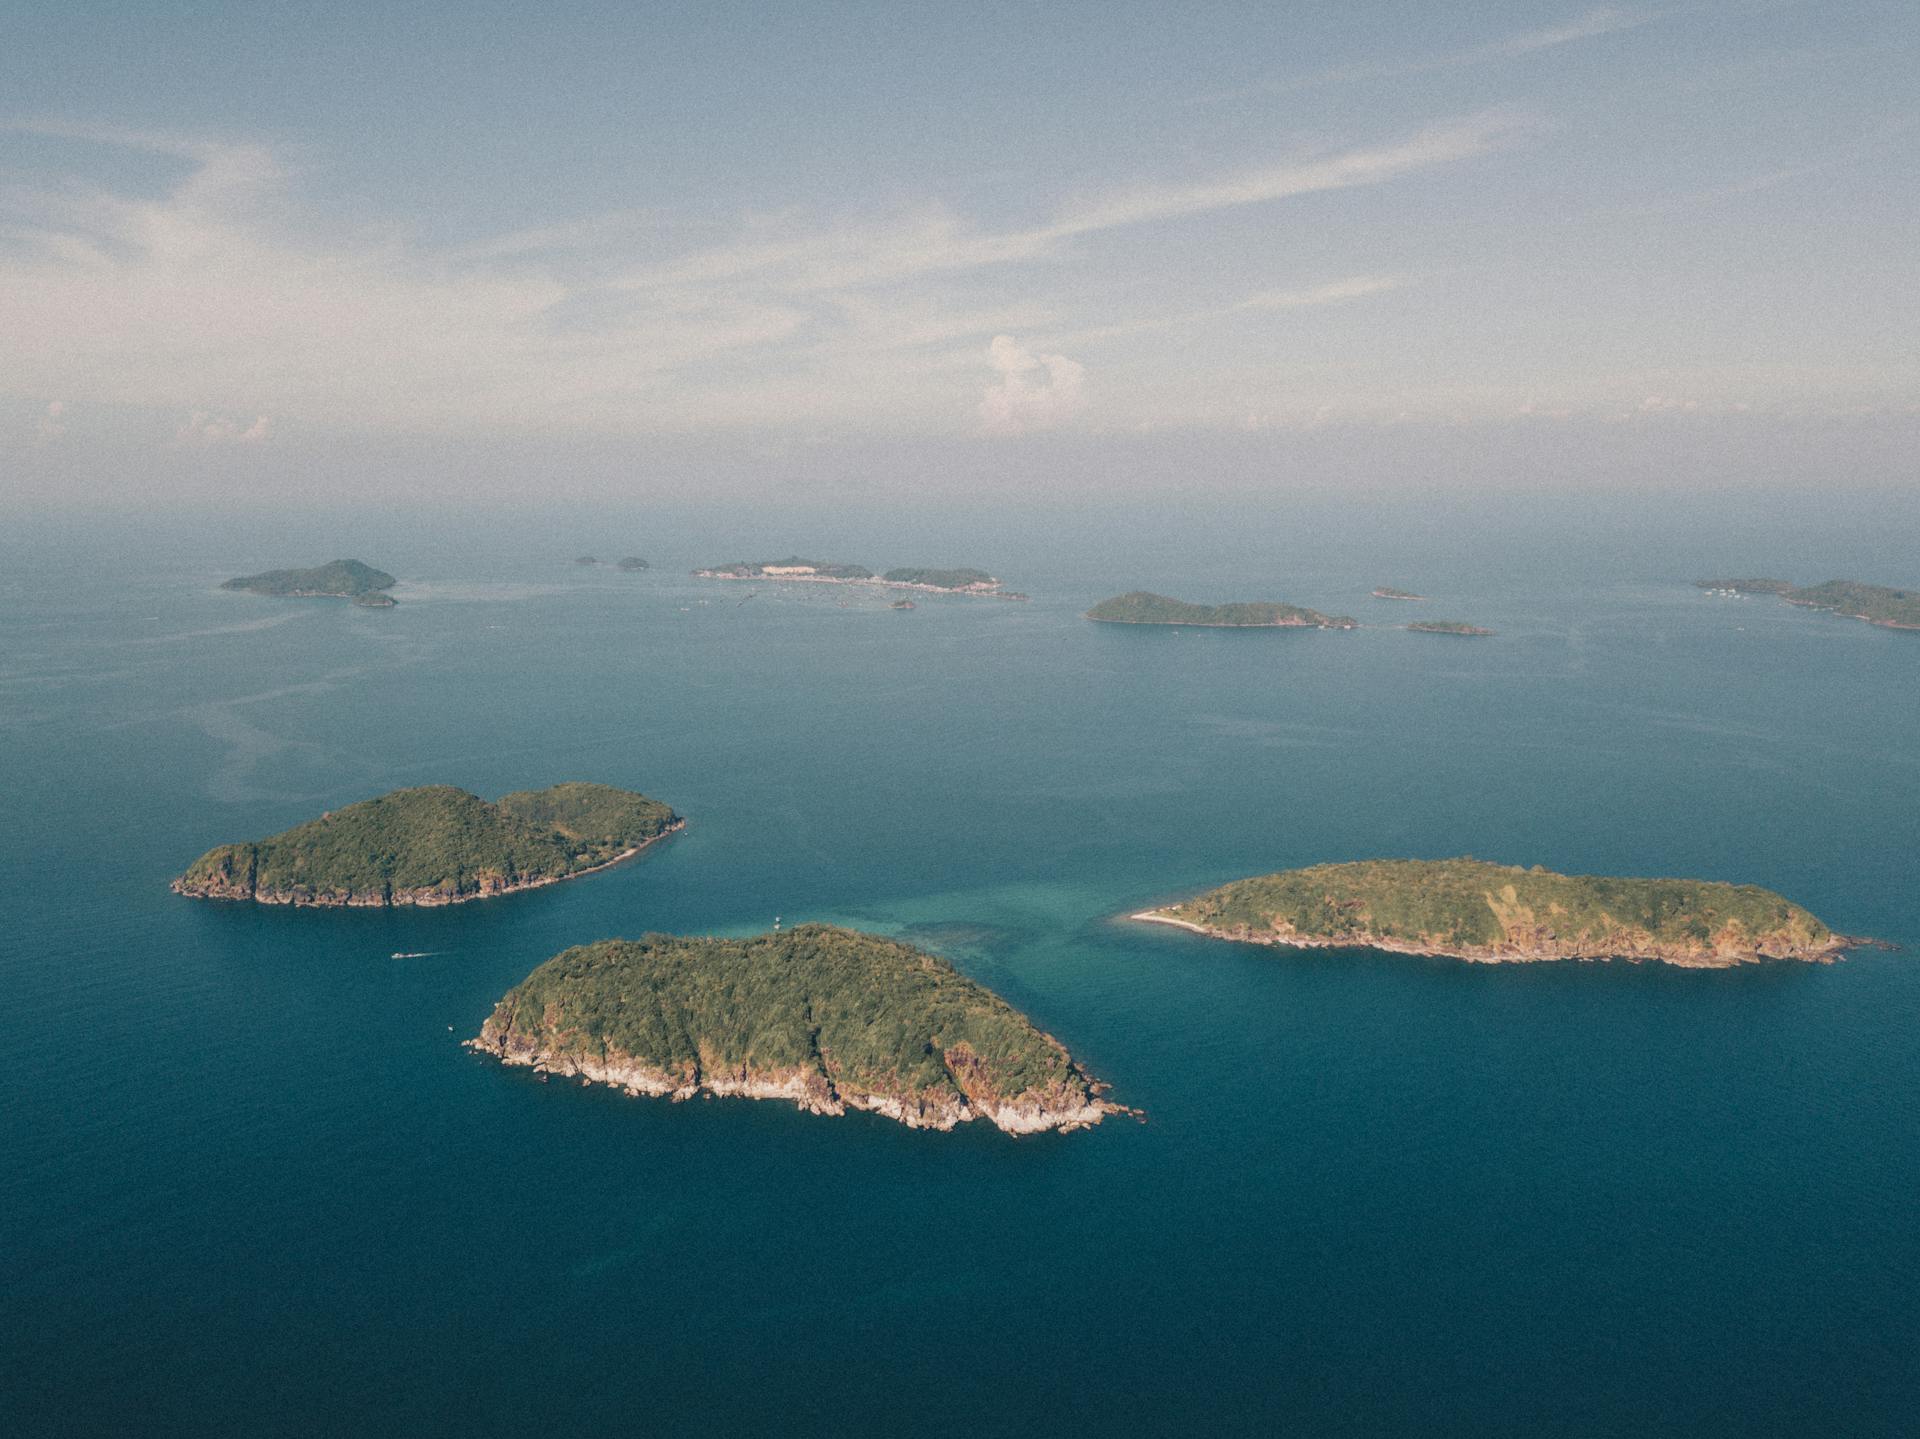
column 1142, row 607
column 956, row 580
column 434, row 845
column 335, row 580
column 830, row 1019
column 1881, row 605
column 1493, row 913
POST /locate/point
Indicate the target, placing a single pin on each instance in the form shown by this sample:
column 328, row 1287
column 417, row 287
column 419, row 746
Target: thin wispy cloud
column 1605, row 20
column 202, row 430
column 1334, row 292
column 934, row 241
column 210, row 299
column 1895, row 130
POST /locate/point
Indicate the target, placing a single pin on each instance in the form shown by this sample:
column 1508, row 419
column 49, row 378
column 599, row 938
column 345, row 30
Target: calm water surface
column 253, row 1185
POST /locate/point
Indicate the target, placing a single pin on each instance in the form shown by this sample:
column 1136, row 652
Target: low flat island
column 953, row 580
column 434, row 845
column 1388, row 592
column 1447, row 627
column 829, row 1019
column 1493, row 913
column 1143, row 607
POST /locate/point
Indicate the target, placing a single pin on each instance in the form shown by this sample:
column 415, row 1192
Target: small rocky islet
column 1493, row 913
column 829, row 1019
column 433, row 845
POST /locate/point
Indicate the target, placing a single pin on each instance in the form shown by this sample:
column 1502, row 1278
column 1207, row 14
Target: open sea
column 253, row 1186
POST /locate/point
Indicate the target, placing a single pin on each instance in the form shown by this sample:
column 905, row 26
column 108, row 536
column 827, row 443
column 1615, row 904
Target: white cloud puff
column 53, row 424
column 1034, row 391
column 203, row 429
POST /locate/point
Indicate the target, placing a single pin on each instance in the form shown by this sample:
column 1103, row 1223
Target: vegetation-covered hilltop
column 1447, row 627
column 1140, row 607
column 960, row 578
column 433, row 845
column 1474, row 910
column 1876, row 604
column 829, row 1018
column 338, row 579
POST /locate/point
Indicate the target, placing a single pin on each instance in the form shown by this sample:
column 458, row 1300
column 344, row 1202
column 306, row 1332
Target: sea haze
column 255, row 1185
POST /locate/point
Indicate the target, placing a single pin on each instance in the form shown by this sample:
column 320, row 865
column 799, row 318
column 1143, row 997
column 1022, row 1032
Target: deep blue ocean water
column 253, row 1185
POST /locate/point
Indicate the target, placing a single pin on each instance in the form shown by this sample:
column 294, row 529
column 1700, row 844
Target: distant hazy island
column 960, row 580
column 632, row 562
column 1387, row 592
column 338, row 579
column 1876, row 604
column 1447, row 627
column 1140, row 607
column 434, row 845
column 1469, row 909
column 828, row 1018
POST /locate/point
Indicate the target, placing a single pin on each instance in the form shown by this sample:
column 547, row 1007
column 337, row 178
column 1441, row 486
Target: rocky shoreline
column 808, row 1089
column 1703, row 957
column 1519, row 953
column 1850, row 615
column 983, row 592
column 489, row 887
column 1285, row 624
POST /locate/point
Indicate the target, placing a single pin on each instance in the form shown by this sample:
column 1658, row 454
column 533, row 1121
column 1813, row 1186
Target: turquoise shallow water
column 255, row 1186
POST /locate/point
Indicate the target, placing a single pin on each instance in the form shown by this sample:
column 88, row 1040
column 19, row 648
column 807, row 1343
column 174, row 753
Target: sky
column 272, row 249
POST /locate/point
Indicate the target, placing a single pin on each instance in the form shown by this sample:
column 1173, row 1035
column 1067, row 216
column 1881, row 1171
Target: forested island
column 1876, row 604
column 434, row 845
column 1447, row 627
column 830, row 1019
column 1493, row 913
column 337, row 580
column 1387, row 592
column 959, row 580
column 1141, row 607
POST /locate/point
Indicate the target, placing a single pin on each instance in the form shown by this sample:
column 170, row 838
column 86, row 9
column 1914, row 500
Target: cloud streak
column 211, row 299
column 1604, row 20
